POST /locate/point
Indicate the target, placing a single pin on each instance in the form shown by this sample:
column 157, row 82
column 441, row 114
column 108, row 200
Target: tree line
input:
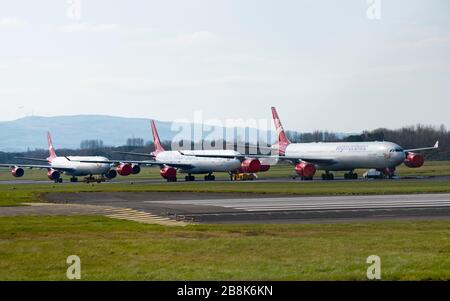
column 407, row 137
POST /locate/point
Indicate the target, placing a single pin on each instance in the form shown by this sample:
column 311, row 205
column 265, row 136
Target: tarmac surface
column 254, row 208
column 261, row 180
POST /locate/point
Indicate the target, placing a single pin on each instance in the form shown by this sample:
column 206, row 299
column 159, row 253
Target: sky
column 343, row 66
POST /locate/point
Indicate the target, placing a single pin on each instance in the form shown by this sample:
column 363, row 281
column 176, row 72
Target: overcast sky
column 328, row 65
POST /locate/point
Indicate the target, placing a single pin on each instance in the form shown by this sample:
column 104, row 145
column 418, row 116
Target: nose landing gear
column 389, row 173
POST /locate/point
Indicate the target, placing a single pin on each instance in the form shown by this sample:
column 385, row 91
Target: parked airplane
column 344, row 156
column 73, row 166
column 339, row 156
column 186, row 162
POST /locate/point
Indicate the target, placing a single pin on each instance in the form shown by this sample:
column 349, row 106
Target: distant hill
column 68, row 131
column 29, row 133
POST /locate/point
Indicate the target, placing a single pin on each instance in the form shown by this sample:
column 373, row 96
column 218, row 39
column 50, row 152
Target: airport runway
column 247, row 208
column 262, row 180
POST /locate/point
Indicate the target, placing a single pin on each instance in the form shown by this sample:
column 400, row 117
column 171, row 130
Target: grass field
column 431, row 168
column 36, row 248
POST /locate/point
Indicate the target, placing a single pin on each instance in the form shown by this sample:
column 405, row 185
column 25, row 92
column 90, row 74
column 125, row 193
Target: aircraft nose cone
column 401, row 157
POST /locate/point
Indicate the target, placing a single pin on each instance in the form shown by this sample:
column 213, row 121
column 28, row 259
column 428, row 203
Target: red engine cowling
column 168, row 173
column 306, row 170
column 251, row 166
column 264, row 168
column 414, row 160
column 124, row 169
column 53, row 175
column 17, row 172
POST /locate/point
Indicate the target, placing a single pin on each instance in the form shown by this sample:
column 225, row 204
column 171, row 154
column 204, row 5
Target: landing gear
column 73, row 180
column 171, row 180
column 210, row 177
column 327, row 176
column 59, row 181
column 389, row 173
column 351, row 176
column 190, row 178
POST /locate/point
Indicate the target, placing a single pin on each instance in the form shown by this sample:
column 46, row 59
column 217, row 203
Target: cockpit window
column 397, row 150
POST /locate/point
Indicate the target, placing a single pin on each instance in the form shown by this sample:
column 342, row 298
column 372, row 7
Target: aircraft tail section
column 283, row 141
column 51, row 149
column 158, row 146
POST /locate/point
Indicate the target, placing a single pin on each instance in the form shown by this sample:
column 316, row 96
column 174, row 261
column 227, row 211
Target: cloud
column 89, row 28
column 11, row 23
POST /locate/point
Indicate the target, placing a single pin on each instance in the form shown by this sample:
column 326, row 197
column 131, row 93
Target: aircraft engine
column 111, row 174
column 136, row 169
column 168, row 173
column 264, row 168
column 305, row 170
column 17, row 172
column 251, row 166
column 414, row 160
column 53, row 175
column 124, row 170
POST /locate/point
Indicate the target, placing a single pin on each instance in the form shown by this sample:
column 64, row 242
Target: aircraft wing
column 31, row 159
column 218, row 156
column 251, row 146
column 25, row 165
column 147, row 162
column 319, row 161
column 436, row 146
column 134, row 154
column 37, row 166
column 175, row 165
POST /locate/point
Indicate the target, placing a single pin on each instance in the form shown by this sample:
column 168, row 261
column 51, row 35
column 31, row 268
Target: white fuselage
column 201, row 165
column 81, row 168
column 350, row 155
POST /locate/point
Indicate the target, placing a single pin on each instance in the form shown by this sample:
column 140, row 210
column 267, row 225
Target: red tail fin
column 283, row 141
column 158, row 147
column 51, row 149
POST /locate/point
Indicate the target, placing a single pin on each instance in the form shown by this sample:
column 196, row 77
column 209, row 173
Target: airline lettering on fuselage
column 351, row 148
